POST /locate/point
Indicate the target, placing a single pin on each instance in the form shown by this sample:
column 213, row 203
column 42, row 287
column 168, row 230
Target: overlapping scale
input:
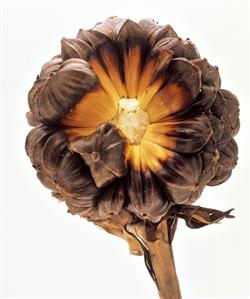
column 55, row 93
column 182, row 86
column 147, row 200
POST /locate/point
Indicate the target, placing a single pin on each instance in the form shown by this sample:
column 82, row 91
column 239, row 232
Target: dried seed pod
column 130, row 126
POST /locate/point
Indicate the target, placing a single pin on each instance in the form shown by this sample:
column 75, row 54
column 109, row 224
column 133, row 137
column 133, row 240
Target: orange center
column 134, row 105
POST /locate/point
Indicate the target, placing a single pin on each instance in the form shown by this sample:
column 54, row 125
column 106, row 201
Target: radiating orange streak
column 148, row 85
column 111, row 62
column 164, row 128
column 145, row 157
column 153, row 154
column 148, row 154
column 149, row 93
column 142, row 160
column 158, row 127
column 165, row 125
column 93, row 109
column 132, row 65
column 159, row 138
column 135, row 156
column 104, row 79
column 73, row 133
column 146, row 76
column 170, row 99
column 146, row 90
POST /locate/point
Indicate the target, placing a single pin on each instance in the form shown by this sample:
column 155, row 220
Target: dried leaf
column 196, row 216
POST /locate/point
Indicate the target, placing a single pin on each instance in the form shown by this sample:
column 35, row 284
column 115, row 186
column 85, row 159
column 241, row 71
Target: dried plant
column 130, row 125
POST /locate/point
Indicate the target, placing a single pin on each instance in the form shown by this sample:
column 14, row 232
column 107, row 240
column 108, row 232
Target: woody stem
column 159, row 258
column 164, row 268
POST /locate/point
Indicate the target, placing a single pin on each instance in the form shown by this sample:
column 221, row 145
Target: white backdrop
column 49, row 253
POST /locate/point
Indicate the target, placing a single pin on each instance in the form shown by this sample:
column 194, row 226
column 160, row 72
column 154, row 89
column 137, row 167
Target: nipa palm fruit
column 130, row 124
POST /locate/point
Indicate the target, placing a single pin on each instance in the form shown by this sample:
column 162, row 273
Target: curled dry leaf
column 196, row 216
